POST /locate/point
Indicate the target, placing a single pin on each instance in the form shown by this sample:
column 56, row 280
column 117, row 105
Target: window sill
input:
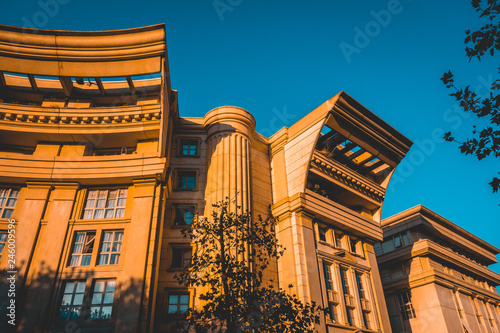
column 101, row 221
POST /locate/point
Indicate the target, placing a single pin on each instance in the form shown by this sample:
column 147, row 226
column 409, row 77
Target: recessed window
column 186, row 180
column 178, row 303
column 3, row 241
column 322, row 234
column 181, row 257
column 353, row 242
column 338, row 240
column 105, row 204
column 397, row 241
column 361, row 289
column 189, row 147
column 345, row 281
column 72, row 300
column 405, row 305
column 111, row 248
column 8, row 200
column 184, row 214
column 82, row 248
column 102, row 299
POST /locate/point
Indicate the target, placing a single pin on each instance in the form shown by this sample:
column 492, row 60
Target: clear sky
column 281, row 59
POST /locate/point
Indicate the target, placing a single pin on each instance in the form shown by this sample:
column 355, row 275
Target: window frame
column 81, row 254
column 183, row 248
column 101, row 305
column 3, row 243
column 110, row 253
column 178, row 174
column 406, row 309
column 70, row 306
column 180, row 140
column 180, row 206
column 107, row 200
column 6, row 196
column 178, row 292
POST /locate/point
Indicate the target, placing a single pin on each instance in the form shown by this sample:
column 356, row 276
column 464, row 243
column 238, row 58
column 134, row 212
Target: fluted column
column 229, row 130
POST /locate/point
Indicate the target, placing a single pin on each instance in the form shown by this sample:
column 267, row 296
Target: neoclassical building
column 99, row 175
column 436, row 276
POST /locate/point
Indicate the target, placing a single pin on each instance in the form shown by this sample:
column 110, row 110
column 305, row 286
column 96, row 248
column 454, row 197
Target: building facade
column 99, row 175
column 435, row 275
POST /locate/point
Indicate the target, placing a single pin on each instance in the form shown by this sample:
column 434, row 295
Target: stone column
column 229, row 133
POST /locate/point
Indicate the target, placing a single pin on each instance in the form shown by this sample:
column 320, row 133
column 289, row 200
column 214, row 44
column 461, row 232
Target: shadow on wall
column 82, row 303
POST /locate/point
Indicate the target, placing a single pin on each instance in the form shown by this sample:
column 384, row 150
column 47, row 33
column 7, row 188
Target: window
column 111, row 248
column 331, row 294
column 353, row 243
column 72, row 300
column 3, row 241
column 405, row 306
column 189, row 147
column 338, row 240
column 106, row 204
column 361, row 290
column 102, row 299
column 82, row 250
column 184, row 214
column 322, row 234
column 366, row 319
column 350, row 316
column 178, row 303
column 397, row 241
column 8, row 199
column 186, row 180
column 344, row 280
column 181, row 258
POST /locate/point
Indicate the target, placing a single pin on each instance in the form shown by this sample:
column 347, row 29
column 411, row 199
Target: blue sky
column 286, row 58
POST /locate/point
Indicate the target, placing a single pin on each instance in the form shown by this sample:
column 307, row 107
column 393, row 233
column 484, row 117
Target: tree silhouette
column 485, row 141
column 229, row 259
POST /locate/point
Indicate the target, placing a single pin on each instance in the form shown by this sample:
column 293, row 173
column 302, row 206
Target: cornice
column 348, row 178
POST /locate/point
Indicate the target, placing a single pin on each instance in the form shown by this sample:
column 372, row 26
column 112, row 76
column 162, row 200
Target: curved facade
column 99, row 175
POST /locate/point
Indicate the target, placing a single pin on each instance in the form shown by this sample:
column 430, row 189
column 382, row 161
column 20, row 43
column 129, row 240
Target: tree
column 485, row 141
column 231, row 253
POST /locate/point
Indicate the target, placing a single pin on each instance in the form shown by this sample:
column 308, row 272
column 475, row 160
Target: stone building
column 435, row 275
column 101, row 174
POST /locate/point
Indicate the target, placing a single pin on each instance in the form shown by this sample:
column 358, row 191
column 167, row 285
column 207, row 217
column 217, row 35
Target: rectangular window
column 181, row 258
column 105, row 204
column 397, row 241
column 361, row 290
column 345, row 281
column 350, row 316
column 111, row 248
column 322, row 234
column 186, row 180
column 8, row 200
column 102, row 299
column 82, row 249
column 405, row 306
column 3, row 241
column 338, row 240
column 328, row 278
column 457, row 304
column 366, row 319
column 178, row 303
column 72, row 300
column 189, row 147
column 184, row 214
column 353, row 243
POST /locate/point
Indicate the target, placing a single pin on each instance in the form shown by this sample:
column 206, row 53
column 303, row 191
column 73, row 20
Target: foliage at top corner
column 484, row 142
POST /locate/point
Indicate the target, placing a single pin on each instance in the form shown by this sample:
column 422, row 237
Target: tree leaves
column 485, row 142
column 232, row 252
